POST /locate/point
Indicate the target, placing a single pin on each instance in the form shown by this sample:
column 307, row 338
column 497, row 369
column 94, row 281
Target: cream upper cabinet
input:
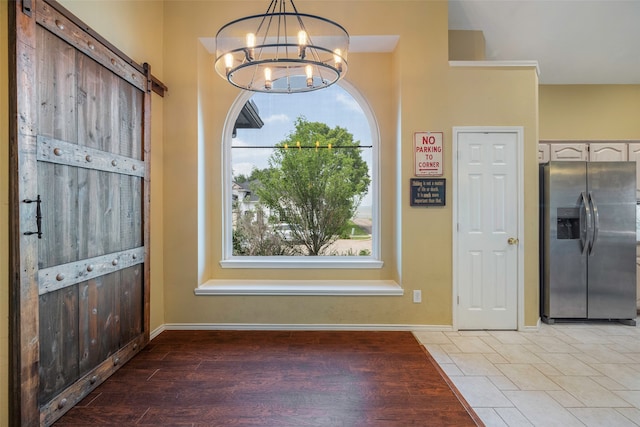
column 634, row 152
column 543, row 153
column 576, row 151
column 634, row 155
column 608, row 152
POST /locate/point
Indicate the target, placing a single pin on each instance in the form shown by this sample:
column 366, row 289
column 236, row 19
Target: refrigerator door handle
column 585, row 222
column 596, row 221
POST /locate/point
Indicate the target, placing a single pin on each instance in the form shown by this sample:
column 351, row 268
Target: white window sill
column 301, row 287
column 355, row 262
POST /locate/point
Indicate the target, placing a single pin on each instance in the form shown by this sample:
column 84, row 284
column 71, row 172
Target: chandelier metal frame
column 282, row 51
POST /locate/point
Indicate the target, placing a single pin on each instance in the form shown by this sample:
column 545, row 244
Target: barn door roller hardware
column 26, row 7
column 37, row 201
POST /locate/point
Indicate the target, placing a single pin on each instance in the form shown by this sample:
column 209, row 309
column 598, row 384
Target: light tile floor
column 567, row 374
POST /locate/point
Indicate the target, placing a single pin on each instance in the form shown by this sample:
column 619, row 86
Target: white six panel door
column 487, row 240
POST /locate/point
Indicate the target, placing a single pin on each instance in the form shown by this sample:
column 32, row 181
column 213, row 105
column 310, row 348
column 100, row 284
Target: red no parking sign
column 428, row 153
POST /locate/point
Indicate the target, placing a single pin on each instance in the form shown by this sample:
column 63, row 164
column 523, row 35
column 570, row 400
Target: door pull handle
column 37, row 201
column 596, row 222
column 513, row 241
column 585, row 224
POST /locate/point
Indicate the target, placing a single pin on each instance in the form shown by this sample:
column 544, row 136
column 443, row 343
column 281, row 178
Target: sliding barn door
column 79, row 215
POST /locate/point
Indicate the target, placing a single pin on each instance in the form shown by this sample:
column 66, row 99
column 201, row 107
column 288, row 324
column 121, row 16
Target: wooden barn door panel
column 80, row 188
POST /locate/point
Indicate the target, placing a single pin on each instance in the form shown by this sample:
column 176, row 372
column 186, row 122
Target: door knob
column 512, row 241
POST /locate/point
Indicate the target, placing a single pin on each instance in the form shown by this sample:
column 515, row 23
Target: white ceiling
column 574, row 41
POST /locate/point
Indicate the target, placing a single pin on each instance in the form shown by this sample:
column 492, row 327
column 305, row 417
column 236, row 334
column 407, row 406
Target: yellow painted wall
column 513, row 99
column 412, row 90
column 368, row 84
column 589, row 112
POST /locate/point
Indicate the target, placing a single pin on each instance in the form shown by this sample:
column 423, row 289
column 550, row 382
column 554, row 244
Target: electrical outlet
column 417, row 296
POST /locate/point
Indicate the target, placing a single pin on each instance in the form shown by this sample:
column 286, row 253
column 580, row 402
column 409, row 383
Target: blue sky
column 333, row 106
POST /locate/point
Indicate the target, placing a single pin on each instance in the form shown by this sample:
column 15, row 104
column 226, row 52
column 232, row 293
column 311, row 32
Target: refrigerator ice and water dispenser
column 568, row 223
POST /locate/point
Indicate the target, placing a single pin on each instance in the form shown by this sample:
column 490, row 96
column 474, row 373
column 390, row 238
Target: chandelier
column 282, row 51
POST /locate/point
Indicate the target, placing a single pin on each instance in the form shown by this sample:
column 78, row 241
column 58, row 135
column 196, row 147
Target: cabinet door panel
column 572, row 151
column 634, row 156
column 607, row 152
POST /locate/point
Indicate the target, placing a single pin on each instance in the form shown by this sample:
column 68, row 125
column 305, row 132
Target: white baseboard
column 295, row 327
column 308, row 327
column 157, row 331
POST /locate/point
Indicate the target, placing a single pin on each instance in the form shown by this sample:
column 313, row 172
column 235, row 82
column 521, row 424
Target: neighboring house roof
column 249, row 118
column 245, row 185
column 243, row 191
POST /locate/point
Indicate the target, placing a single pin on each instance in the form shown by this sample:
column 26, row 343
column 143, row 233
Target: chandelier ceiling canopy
column 282, row 51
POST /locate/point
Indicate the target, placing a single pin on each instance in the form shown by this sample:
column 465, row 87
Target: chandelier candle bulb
column 302, row 38
column 302, row 43
column 251, row 44
column 337, row 58
column 228, row 62
column 267, row 78
column 309, row 72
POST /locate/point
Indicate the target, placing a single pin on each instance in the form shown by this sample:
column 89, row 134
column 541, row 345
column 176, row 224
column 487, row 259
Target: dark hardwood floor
column 276, row 378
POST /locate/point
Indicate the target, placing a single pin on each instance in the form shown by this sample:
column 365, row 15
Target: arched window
column 300, row 181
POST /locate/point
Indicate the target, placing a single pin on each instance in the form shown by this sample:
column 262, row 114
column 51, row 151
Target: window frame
column 229, row 260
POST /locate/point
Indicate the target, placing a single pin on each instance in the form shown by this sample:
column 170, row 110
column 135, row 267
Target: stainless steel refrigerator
column 588, row 247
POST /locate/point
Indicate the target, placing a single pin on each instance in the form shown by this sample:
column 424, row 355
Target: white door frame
column 519, row 131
